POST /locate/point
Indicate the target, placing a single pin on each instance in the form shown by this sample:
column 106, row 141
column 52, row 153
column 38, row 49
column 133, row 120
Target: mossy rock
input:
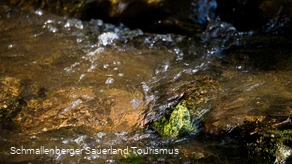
column 179, row 123
column 270, row 144
column 186, row 115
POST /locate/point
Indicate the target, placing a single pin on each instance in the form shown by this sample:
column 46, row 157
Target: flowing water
column 76, row 84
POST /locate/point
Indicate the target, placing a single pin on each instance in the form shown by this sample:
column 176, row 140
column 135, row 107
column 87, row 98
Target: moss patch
column 179, row 123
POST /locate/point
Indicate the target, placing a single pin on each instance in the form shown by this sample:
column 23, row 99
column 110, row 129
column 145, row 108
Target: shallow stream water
column 89, row 84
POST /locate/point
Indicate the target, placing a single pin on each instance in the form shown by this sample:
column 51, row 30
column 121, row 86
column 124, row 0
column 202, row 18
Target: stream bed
column 94, row 89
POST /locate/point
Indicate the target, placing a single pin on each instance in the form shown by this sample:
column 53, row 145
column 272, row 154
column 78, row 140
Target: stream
column 93, row 89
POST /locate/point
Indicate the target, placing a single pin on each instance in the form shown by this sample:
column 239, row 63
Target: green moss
column 284, row 136
column 271, row 145
column 185, row 116
column 179, row 123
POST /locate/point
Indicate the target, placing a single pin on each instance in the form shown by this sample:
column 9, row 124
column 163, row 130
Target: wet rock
column 111, row 111
column 179, row 123
column 190, row 110
column 260, row 52
column 254, row 99
column 73, row 8
column 160, row 16
column 268, row 141
column 183, row 17
column 264, row 16
column 10, row 100
column 128, row 110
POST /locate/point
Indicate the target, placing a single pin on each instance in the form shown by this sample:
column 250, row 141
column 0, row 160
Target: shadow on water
column 71, row 84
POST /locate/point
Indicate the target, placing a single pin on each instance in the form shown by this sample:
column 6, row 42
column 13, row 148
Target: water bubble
column 100, row 134
column 97, row 51
column 65, row 142
column 239, row 67
column 120, row 74
column 116, row 63
column 177, row 76
column 92, row 67
column 32, row 137
column 167, row 38
column 39, row 12
column 109, row 80
column 10, row 46
column 59, row 157
column 79, row 24
column 186, row 64
column 110, row 161
column 107, row 38
column 81, row 76
column 177, row 50
column 195, row 70
column 79, row 40
column 105, row 66
column 99, row 22
column 80, row 139
column 67, row 25
column 52, row 28
column 147, row 40
column 145, row 87
column 49, row 21
column 157, row 71
column 73, row 105
column 95, row 156
column 165, row 68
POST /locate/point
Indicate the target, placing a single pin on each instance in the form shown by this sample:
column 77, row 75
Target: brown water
column 92, row 84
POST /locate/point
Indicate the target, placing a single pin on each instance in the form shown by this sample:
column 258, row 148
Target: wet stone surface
column 75, row 84
column 114, row 111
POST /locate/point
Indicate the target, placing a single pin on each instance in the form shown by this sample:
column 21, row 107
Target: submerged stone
column 190, row 110
column 110, row 111
column 180, row 122
column 10, row 100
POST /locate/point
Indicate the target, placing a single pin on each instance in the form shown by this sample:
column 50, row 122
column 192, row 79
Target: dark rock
column 160, row 16
column 263, row 16
column 183, row 17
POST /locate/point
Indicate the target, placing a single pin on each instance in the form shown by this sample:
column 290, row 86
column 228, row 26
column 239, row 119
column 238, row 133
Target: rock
column 283, row 153
column 249, row 99
column 160, row 16
column 185, row 117
column 184, row 17
column 112, row 111
column 10, row 100
column 269, row 145
column 180, row 122
column 263, row 16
